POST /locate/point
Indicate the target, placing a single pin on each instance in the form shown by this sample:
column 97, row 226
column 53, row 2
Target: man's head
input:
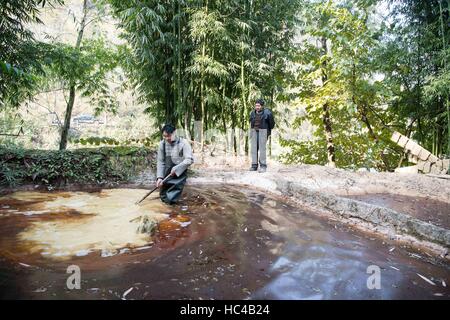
column 259, row 104
column 168, row 132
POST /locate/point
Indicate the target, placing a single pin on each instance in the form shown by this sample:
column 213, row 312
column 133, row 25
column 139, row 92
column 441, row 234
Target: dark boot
column 171, row 191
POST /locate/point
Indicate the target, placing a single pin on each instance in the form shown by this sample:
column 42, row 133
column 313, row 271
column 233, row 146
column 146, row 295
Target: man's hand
column 172, row 173
column 159, row 182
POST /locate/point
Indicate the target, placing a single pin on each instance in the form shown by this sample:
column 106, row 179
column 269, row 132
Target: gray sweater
column 180, row 152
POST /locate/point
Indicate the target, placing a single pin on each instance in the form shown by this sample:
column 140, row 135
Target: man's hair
column 168, row 128
column 260, row 101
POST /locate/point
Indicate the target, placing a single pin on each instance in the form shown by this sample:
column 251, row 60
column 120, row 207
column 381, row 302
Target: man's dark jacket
column 267, row 120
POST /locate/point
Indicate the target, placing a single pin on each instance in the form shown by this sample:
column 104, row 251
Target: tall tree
column 218, row 56
column 71, row 101
column 416, row 71
column 336, row 77
column 21, row 55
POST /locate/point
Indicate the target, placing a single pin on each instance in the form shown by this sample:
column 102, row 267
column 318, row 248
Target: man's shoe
column 253, row 169
column 262, row 169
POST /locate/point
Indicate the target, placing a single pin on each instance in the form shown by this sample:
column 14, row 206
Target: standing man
column 261, row 124
column 174, row 157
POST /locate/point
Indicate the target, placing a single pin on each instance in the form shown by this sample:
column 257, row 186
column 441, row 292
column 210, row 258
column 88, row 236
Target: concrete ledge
column 376, row 215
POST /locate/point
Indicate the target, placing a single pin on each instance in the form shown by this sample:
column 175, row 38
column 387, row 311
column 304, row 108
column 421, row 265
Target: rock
column 412, row 147
column 146, row 225
column 434, row 169
column 432, row 158
column 108, row 253
column 416, row 149
column 402, row 141
column 427, row 167
column 396, row 136
column 424, row 154
column 412, row 158
column 446, row 164
column 420, row 165
column 410, row 169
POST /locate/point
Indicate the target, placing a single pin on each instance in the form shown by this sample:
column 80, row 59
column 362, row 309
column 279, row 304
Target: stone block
column 426, row 167
column 410, row 169
column 424, row 154
column 402, row 141
column 395, row 136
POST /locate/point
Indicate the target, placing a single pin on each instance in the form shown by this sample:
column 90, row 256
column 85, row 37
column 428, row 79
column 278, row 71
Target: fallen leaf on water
column 245, row 290
column 24, row 264
column 127, row 292
column 426, row 279
column 394, row 268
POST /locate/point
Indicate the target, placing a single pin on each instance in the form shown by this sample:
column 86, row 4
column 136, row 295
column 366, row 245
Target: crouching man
column 174, row 157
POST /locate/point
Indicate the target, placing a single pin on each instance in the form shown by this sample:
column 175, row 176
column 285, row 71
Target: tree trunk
column 444, row 64
column 244, row 102
column 326, row 119
column 329, row 136
column 224, row 122
column 202, row 92
column 71, row 102
column 233, row 128
column 169, row 106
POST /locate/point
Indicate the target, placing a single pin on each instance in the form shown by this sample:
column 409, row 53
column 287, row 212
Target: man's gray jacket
column 177, row 154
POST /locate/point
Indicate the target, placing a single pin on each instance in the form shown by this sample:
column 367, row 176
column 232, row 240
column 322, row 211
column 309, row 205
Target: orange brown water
column 220, row 242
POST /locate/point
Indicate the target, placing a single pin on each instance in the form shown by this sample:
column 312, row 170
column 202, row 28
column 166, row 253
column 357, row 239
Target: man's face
column 258, row 107
column 169, row 137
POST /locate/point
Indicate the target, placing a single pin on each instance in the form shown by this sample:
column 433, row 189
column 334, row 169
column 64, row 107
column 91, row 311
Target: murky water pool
column 220, row 242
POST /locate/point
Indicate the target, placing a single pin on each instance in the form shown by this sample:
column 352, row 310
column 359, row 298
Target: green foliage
column 414, row 57
column 410, row 54
column 206, row 60
column 20, row 55
column 55, row 168
column 89, row 68
column 97, row 141
column 337, row 75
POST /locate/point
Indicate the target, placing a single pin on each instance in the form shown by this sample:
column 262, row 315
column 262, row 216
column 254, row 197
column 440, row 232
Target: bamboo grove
column 206, row 60
column 358, row 71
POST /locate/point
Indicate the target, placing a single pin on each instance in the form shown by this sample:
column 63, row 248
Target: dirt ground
column 326, row 179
